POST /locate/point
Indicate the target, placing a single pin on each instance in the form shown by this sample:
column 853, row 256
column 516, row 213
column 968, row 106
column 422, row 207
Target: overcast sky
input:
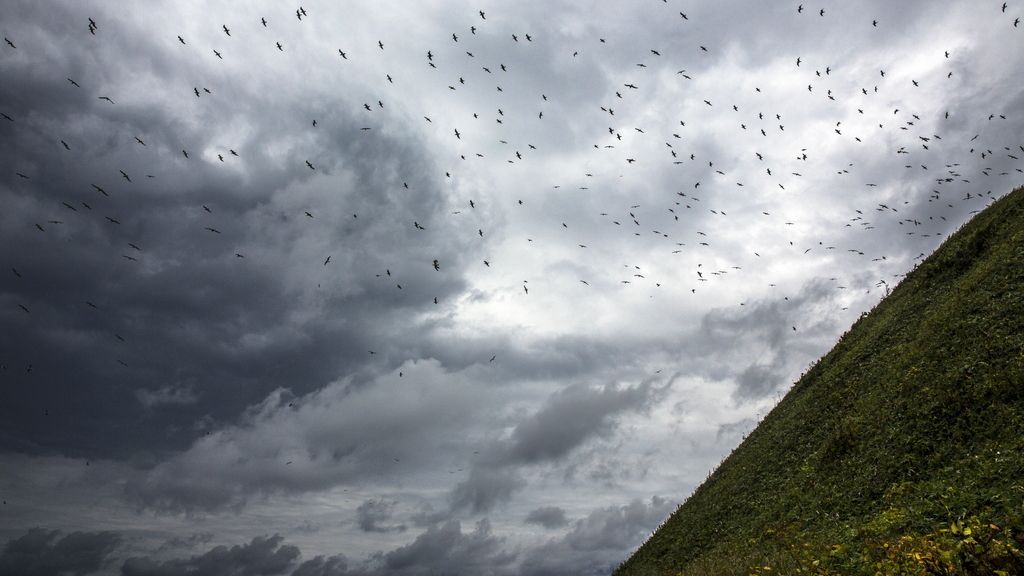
column 447, row 287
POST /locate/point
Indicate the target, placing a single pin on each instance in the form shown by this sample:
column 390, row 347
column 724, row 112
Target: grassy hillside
column 900, row 452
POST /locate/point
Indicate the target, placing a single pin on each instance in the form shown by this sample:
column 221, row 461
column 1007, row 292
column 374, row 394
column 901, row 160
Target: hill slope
column 900, row 452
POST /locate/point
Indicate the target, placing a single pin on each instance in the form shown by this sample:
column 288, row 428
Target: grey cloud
column 166, row 395
column 344, row 433
column 549, row 517
column 568, row 419
column 571, row 417
column 773, row 330
column 336, row 565
column 446, row 549
column 189, row 542
column 373, row 515
column 597, row 542
column 44, row 553
column 263, row 556
column 757, row 381
column 230, row 326
column 233, row 389
column 484, row 489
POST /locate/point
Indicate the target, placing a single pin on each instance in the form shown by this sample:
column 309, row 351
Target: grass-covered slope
column 900, row 452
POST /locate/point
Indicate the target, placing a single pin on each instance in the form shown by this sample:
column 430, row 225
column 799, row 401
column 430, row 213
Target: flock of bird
column 702, row 179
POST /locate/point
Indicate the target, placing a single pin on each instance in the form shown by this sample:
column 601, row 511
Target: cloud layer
column 487, row 289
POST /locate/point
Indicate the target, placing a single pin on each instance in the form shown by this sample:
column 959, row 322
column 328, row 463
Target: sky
column 393, row 288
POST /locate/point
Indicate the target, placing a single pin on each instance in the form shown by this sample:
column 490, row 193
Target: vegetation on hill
column 900, row 452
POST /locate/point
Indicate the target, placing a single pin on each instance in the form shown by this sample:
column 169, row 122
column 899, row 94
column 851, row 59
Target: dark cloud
column 573, row 416
column 187, row 542
column 226, row 377
column 323, row 566
column 446, row 549
column 213, row 332
column 569, row 419
column 345, row 433
column 265, row 556
column 45, row 552
column 484, row 489
column 373, row 515
column 549, row 517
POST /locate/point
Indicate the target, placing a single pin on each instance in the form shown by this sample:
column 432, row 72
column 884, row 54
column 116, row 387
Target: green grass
column 900, row 452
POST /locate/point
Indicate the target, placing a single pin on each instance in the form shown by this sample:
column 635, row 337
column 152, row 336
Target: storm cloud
column 44, row 552
column 438, row 287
